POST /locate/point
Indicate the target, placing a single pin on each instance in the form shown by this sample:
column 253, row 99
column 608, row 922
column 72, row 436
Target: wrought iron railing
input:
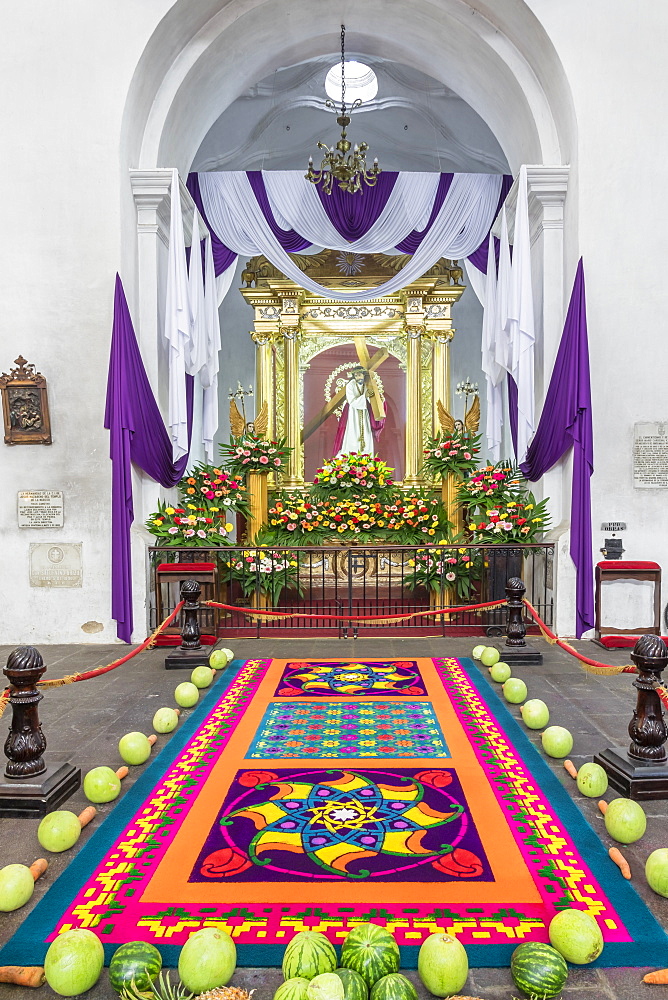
column 373, row 580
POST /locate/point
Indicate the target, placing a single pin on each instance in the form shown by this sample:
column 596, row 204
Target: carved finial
column 515, row 585
column 23, row 658
column 650, row 647
column 190, row 590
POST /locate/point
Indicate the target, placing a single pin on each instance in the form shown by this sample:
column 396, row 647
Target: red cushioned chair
column 628, row 569
column 167, row 574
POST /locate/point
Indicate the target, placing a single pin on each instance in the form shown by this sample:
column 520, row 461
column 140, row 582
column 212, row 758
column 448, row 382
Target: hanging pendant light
column 339, row 162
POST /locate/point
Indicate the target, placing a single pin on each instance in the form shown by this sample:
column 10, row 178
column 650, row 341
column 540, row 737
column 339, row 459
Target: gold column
column 264, row 378
column 414, row 454
column 257, row 501
column 449, row 498
column 294, row 478
column 440, row 376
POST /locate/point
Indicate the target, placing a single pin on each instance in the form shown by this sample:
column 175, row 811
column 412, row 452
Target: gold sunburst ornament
column 339, row 163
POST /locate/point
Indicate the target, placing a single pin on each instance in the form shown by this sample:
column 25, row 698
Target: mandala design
column 324, row 824
column 347, row 729
column 396, row 678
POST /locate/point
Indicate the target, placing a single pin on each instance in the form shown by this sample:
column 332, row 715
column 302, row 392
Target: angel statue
column 457, row 428
column 254, row 428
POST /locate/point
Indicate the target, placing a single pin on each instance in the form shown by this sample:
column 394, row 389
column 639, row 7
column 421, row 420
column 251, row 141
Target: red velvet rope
column 352, row 618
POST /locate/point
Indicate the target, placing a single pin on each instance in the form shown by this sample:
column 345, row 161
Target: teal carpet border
column 650, row 942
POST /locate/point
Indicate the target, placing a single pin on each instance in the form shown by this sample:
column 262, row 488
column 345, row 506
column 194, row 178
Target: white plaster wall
column 64, row 75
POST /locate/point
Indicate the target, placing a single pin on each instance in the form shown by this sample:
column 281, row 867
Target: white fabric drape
column 494, row 373
column 209, row 372
column 198, row 338
column 460, row 226
column 520, row 320
column 178, row 324
column 296, row 202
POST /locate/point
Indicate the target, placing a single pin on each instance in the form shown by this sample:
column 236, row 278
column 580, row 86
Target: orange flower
column 191, row 481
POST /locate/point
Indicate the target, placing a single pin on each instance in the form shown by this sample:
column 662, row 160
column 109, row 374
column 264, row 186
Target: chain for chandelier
column 339, row 163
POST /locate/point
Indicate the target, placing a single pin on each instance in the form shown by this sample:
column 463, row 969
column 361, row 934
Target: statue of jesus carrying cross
column 358, row 427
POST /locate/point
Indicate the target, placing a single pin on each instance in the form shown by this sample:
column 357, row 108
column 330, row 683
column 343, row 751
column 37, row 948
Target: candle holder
column 641, row 771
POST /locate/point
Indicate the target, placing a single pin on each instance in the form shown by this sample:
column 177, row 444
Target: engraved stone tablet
column 40, row 509
column 650, row 456
column 55, row 564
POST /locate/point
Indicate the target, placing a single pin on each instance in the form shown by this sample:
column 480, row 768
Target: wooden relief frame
column 25, row 406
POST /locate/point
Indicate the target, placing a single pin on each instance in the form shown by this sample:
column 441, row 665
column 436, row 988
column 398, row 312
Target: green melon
column 538, row 969
column 74, row 962
column 370, row 950
column 136, row 960
column 292, row 989
column 354, row 987
column 309, row 954
column 394, row 987
column 576, row 935
column 443, row 965
column 207, row 960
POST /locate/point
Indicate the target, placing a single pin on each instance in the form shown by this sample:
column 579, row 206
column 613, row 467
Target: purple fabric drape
column 222, row 255
column 290, row 240
column 411, row 242
column 479, row 257
column 353, row 215
column 566, row 421
column 512, row 409
column 137, row 434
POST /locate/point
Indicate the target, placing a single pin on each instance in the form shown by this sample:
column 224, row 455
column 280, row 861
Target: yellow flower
column 169, row 510
column 528, row 506
column 537, row 520
column 293, row 562
column 216, row 509
column 228, row 526
column 411, row 562
column 157, row 522
column 431, row 531
column 192, row 519
column 191, row 506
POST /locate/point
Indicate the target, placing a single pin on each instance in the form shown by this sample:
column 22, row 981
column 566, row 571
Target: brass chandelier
column 338, row 163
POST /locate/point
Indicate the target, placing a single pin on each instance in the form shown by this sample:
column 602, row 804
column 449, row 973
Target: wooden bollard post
column 641, row 771
column 190, row 653
column 515, row 627
column 30, row 787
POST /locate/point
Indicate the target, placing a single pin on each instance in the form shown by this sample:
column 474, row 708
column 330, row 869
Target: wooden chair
column 628, row 569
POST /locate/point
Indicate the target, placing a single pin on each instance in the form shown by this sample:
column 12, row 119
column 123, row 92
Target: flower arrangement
column 456, row 453
column 520, row 520
column 253, row 454
column 490, row 486
column 353, row 473
column 457, row 567
column 211, row 486
column 190, row 525
column 403, row 520
column 267, row 570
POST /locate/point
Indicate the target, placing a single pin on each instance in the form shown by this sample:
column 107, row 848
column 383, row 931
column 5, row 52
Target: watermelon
column 292, row 989
column 136, row 960
column 309, row 954
column 370, row 950
column 354, row 987
column 326, row 986
column 538, row 969
column 443, row 965
column 394, row 987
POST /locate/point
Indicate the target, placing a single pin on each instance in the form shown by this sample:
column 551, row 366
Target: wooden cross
column 371, row 364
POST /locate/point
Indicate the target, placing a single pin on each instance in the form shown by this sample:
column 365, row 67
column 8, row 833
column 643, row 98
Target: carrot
column 571, row 768
column 87, row 815
column 38, row 867
column 656, row 978
column 178, row 711
column 603, row 806
column 122, row 772
column 152, row 738
column 621, row 862
column 22, row 975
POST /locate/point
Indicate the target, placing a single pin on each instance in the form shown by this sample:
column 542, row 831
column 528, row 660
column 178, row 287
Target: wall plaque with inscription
column 650, row 456
column 55, row 564
column 40, row 509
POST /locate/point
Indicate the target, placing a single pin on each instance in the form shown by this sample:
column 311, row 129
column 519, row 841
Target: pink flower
column 201, row 534
column 189, row 533
column 449, row 577
column 246, row 452
column 277, row 461
column 210, row 494
column 291, row 527
column 263, row 460
column 245, row 461
column 467, row 455
column 172, row 531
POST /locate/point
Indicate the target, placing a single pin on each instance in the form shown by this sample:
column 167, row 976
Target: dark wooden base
column 634, row 779
column 27, row 798
column 519, row 656
column 186, row 659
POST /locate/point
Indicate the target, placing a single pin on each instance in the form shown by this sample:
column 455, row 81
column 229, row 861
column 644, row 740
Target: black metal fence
column 352, row 580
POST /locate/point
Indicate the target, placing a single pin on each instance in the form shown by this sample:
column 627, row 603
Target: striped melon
column 136, row 960
column 538, row 969
column 394, row 987
column 309, row 954
column 354, row 987
column 370, row 950
column 292, row 989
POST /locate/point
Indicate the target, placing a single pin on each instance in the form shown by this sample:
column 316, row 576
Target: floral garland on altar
column 438, row 569
column 501, row 508
column 253, row 454
column 203, row 527
column 456, row 454
column 353, row 473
